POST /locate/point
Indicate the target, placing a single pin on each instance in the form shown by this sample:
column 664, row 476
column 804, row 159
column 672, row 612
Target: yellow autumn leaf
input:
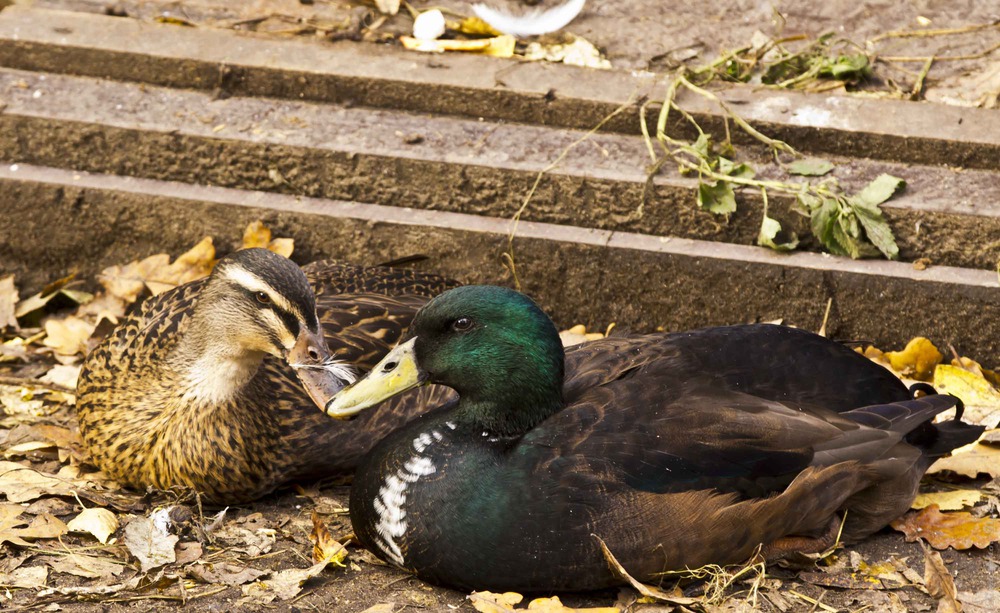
column 499, row 46
column 195, row 263
column 257, row 235
column 971, row 460
column 128, row 281
column 158, row 273
column 917, row 360
column 959, row 529
column 474, row 26
column 25, row 448
column 982, row 400
column 8, row 298
column 67, row 336
column 326, row 549
column 973, row 366
column 554, row 605
column 282, row 246
column 578, row 334
column 489, row 602
column 101, row 523
column 955, row 500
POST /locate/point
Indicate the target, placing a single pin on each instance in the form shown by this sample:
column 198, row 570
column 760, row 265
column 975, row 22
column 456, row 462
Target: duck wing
column 754, row 359
column 333, row 277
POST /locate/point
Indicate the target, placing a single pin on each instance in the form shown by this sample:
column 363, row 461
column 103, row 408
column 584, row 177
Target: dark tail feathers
column 914, row 418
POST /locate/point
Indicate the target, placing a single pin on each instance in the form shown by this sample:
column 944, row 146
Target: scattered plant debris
column 68, row 533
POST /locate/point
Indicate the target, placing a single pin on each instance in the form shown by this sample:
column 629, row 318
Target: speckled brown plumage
column 142, row 433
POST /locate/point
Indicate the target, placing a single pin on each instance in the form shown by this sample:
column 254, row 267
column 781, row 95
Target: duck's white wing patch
column 391, row 501
column 532, row 23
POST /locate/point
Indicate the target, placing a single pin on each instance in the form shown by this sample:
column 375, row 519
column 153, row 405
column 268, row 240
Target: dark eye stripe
column 290, row 320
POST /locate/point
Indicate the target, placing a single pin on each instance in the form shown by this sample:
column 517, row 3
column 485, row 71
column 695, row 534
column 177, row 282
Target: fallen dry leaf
column 578, row 334
column 53, row 296
column 224, row 573
column 939, row 582
column 82, row 565
column 68, row 336
column 325, row 548
column 20, row 401
column 984, row 601
column 489, row 602
column 283, row 585
column 157, row 273
column 21, row 484
column 387, row 7
column 8, row 298
column 382, row 607
column 959, row 530
column 101, row 523
column 253, row 543
column 26, row 448
column 104, row 306
column 917, row 360
column 44, row 526
column 976, row 368
column 193, row 264
column 971, row 460
column 954, row 500
column 65, row 375
column 579, row 52
column 981, row 399
column 258, row 235
column 30, row 577
column 188, row 552
column 474, row 26
column 499, row 46
column 54, row 506
column 149, row 540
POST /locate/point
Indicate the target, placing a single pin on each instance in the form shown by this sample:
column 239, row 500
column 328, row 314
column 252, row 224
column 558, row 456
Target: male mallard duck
column 673, row 461
column 202, row 386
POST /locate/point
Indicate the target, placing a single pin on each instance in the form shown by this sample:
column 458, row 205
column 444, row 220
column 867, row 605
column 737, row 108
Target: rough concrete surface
column 950, row 216
column 228, row 62
column 595, row 277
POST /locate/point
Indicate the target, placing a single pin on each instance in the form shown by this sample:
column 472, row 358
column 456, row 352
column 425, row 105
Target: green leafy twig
column 850, row 225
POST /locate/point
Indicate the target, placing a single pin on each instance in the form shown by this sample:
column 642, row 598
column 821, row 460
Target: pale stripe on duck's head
column 266, row 303
column 271, row 280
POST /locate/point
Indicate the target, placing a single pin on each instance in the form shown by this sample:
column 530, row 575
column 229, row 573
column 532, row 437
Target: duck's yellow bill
column 396, row 373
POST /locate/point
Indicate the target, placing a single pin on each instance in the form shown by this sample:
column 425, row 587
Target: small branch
column 35, row 383
column 932, row 33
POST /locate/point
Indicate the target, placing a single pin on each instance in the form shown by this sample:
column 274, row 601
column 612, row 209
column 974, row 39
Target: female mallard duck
column 200, row 387
column 673, row 461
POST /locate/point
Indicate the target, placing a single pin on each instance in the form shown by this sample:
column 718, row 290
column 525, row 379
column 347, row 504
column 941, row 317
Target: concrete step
column 949, row 215
column 236, row 63
column 57, row 221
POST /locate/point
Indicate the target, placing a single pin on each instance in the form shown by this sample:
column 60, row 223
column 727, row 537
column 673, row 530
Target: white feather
column 532, row 23
column 391, row 500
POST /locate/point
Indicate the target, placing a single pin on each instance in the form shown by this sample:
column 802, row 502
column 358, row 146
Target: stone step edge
column 670, row 208
column 683, row 247
column 580, row 276
column 233, row 63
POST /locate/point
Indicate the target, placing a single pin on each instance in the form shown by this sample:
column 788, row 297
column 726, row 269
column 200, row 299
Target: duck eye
column 462, row 324
column 263, row 298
